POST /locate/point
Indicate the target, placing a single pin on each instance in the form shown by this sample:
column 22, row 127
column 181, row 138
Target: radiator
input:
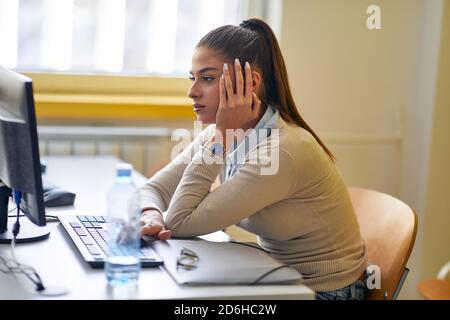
column 145, row 148
column 372, row 161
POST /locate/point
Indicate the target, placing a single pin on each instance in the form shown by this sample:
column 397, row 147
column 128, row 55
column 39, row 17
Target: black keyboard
column 89, row 236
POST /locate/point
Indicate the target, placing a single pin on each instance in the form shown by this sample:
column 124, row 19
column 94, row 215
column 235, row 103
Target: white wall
column 436, row 225
column 369, row 93
column 352, row 84
column 418, row 128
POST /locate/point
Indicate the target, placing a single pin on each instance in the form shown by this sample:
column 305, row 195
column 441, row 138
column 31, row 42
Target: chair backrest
column 388, row 227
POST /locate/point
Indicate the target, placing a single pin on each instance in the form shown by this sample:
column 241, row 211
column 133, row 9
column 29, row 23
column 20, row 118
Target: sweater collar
column 271, row 116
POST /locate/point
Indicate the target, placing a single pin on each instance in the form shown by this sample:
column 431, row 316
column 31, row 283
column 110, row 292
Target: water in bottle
column 122, row 265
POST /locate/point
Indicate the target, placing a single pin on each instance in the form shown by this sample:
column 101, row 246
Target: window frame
column 104, row 97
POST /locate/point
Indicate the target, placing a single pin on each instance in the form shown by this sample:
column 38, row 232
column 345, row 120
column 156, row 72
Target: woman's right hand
column 152, row 224
column 237, row 108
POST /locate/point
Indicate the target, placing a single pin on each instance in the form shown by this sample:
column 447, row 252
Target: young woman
column 302, row 212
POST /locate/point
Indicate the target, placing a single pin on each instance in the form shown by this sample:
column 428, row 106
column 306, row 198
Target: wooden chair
column 439, row 288
column 388, row 227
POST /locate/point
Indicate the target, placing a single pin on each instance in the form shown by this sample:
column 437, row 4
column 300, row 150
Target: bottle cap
column 124, row 169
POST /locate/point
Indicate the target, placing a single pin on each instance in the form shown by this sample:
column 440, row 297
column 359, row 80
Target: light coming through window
column 117, row 36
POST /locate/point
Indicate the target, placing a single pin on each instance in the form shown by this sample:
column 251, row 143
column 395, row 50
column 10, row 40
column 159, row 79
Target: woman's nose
column 194, row 92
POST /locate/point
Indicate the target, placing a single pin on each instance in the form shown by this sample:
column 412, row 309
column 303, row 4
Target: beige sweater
column 302, row 214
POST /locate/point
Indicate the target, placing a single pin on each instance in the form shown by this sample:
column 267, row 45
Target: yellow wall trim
column 108, row 84
column 119, row 97
column 79, row 107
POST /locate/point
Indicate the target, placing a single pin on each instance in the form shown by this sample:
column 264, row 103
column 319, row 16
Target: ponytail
column 255, row 42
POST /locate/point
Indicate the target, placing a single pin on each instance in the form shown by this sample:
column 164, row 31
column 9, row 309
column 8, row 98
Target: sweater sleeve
column 157, row 192
column 196, row 211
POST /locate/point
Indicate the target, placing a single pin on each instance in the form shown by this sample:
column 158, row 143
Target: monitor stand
column 29, row 232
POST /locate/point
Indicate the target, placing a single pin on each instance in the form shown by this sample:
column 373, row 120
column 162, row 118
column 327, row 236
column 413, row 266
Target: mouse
column 59, row 197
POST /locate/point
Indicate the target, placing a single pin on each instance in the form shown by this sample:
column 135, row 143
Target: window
column 108, row 36
column 114, row 59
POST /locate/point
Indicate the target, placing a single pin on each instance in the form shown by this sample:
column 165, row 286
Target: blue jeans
column 355, row 291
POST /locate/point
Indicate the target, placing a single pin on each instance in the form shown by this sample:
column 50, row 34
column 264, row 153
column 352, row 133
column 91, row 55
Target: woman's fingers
column 236, row 108
column 222, row 92
column 239, row 80
column 150, row 229
column 248, row 83
column 228, row 85
column 164, row 234
column 256, row 103
column 153, row 225
column 157, row 231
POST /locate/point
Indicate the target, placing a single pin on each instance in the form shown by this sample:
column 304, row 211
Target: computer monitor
column 20, row 168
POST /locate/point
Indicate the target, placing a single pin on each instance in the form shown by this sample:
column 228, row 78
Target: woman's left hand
column 236, row 109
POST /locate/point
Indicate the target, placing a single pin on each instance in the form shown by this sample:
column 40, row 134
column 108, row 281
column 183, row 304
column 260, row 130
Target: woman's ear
column 256, row 81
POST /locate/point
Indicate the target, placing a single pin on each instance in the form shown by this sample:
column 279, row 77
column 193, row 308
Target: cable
column 48, row 217
column 16, row 226
column 15, row 266
column 251, row 245
column 269, row 272
column 256, row 246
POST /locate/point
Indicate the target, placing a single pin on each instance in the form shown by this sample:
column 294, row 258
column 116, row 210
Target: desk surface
column 59, row 264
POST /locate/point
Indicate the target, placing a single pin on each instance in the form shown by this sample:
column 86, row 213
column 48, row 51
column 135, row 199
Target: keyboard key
column 96, row 225
column 80, row 231
column 103, row 245
column 91, row 218
column 75, row 225
column 93, row 232
column 86, row 240
column 147, row 258
column 87, row 225
column 92, row 250
column 147, row 253
column 82, row 218
column 102, row 233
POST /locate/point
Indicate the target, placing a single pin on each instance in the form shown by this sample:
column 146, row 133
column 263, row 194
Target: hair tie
column 251, row 24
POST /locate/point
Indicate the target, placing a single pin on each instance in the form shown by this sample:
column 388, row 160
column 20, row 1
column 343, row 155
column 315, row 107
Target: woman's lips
column 198, row 107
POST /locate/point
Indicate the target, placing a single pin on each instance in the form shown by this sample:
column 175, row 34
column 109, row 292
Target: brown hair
column 254, row 41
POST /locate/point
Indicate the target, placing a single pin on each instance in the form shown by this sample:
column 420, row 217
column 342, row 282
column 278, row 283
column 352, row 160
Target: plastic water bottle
column 122, row 265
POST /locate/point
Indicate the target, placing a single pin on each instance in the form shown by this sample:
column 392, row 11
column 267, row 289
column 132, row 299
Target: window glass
column 108, row 36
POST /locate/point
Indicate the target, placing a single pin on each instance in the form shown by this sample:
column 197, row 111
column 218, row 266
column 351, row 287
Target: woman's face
column 205, row 74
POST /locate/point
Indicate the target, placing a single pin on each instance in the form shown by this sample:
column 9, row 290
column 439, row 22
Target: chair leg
column 400, row 284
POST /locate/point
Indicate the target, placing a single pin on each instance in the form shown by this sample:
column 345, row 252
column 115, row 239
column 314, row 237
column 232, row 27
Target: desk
column 58, row 263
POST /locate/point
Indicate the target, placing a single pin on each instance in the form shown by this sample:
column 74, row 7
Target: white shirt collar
column 236, row 157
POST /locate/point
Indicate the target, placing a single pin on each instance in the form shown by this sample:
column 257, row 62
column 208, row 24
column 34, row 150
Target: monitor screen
column 20, row 168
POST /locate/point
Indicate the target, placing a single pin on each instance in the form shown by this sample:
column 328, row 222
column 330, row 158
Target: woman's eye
column 206, row 79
